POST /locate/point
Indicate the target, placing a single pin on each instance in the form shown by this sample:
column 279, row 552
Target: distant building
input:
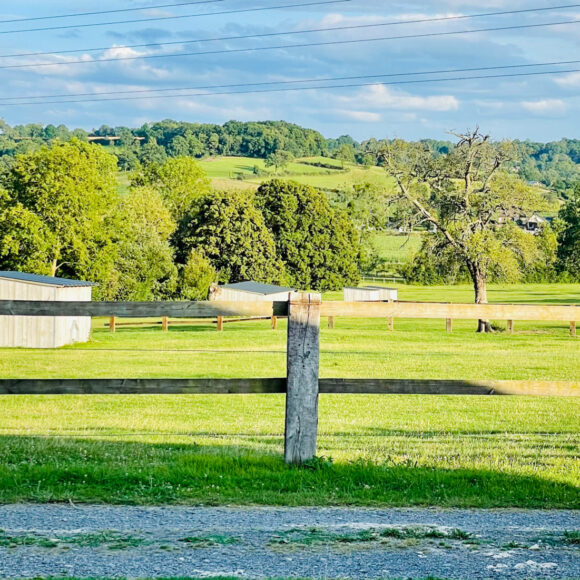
column 43, row 331
column 250, row 291
column 532, row 224
column 370, row 294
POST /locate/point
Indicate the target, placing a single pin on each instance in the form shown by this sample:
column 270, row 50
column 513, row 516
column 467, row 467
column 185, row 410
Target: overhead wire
column 175, row 17
column 115, row 11
column 299, row 81
column 292, row 89
column 303, row 31
column 289, row 46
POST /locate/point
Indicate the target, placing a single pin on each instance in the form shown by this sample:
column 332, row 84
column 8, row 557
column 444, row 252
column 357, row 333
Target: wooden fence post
column 510, row 326
column 573, row 328
column 274, row 321
column 303, row 353
column 112, row 324
column 449, row 324
column 331, row 322
column 391, row 323
column 220, row 323
column 165, row 324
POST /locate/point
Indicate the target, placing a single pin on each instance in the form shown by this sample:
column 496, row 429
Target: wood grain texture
column 278, row 385
column 301, row 427
column 453, row 311
column 142, row 309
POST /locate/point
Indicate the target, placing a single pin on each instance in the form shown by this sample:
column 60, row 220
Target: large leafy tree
column 569, row 236
column 465, row 197
column 230, row 232
column 144, row 267
column 181, row 182
column 57, row 210
column 318, row 245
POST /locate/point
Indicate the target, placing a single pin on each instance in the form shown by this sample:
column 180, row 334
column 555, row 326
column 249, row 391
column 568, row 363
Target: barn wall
column 42, row 331
column 361, row 295
column 239, row 296
column 71, row 329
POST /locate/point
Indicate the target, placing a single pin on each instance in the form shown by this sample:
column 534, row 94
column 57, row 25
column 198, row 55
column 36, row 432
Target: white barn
column 43, row 331
column 250, row 291
column 370, row 294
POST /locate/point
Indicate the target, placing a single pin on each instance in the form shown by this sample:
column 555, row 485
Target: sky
column 539, row 107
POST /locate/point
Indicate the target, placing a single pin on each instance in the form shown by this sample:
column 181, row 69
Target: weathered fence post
column 391, row 323
column 302, row 377
column 331, row 322
column 274, row 322
column 573, row 328
column 220, row 323
column 112, row 323
column 165, row 324
column 510, row 326
column 449, row 324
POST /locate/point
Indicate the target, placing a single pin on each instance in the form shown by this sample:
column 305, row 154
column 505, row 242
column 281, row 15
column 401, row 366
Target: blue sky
column 540, row 108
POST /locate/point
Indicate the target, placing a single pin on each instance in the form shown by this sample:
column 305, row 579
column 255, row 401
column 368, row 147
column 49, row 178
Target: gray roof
column 258, row 288
column 45, row 280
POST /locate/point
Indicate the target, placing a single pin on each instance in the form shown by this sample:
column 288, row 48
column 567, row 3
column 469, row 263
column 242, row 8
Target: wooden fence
column 302, row 384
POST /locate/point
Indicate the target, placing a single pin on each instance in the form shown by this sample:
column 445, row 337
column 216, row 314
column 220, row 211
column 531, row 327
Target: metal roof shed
column 43, row 331
column 369, row 294
column 251, row 291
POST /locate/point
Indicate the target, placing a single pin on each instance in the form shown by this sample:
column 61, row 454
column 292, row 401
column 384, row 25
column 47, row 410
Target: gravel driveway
column 56, row 540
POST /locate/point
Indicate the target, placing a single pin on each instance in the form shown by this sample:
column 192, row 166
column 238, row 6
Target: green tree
column 58, row 208
column 464, row 196
column 569, row 236
column 318, row 245
column 196, row 276
column 181, row 182
column 230, row 231
column 279, row 160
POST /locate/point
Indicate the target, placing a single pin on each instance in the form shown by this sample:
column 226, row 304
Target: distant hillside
column 555, row 164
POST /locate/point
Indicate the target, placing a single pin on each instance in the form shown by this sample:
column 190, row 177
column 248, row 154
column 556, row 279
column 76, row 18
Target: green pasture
column 373, row 450
column 395, row 248
column 224, row 172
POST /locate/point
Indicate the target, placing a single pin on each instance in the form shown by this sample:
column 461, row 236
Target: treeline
column 171, row 235
column 555, row 165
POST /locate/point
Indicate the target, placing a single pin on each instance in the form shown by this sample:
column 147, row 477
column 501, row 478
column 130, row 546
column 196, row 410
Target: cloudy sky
column 539, row 107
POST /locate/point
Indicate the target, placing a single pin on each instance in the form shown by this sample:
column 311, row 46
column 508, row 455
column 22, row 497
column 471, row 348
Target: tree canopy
column 318, row 245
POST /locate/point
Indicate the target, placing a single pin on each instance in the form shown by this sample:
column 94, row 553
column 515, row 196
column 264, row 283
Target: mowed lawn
column 373, row 450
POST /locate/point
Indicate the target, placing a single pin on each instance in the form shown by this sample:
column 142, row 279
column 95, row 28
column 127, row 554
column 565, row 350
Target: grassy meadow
column 373, row 450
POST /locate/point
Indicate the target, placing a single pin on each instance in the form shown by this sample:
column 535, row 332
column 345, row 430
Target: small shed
column 43, row 331
column 250, row 291
column 370, row 294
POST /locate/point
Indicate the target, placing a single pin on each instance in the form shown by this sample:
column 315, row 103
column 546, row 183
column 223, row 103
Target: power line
column 298, row 81
column 293, row 89
column 303, row 31
column 288, row 46
column 177, row 17
column 74, row 15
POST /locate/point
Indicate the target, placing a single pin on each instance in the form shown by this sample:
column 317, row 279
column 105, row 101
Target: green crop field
column 373, row 450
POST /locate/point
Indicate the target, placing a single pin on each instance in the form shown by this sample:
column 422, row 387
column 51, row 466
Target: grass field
column 385, row 450
column 224, row 171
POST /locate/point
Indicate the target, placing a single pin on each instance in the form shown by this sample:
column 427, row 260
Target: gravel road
column 136, row 542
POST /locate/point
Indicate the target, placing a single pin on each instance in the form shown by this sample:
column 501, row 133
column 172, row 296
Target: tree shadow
column 100, row 470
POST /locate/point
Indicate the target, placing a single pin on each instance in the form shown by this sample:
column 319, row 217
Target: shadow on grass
column 43, row 469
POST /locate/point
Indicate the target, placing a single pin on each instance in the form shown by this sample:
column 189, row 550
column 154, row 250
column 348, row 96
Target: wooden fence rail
column 302, row 384
column 278, row 385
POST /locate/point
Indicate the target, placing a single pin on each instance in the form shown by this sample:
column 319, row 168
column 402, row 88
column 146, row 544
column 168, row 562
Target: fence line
column 302, row 384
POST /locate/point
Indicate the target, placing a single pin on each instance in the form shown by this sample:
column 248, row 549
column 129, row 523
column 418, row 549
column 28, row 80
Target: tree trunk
column 53, row 267
column 480, row 287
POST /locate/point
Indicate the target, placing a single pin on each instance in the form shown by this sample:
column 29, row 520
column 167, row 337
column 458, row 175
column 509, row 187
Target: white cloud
column 569, row 80
column 383, row 98
column 364, row 116
column 545, row 106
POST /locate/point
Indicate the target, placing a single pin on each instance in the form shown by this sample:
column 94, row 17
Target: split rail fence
column 302, row 384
